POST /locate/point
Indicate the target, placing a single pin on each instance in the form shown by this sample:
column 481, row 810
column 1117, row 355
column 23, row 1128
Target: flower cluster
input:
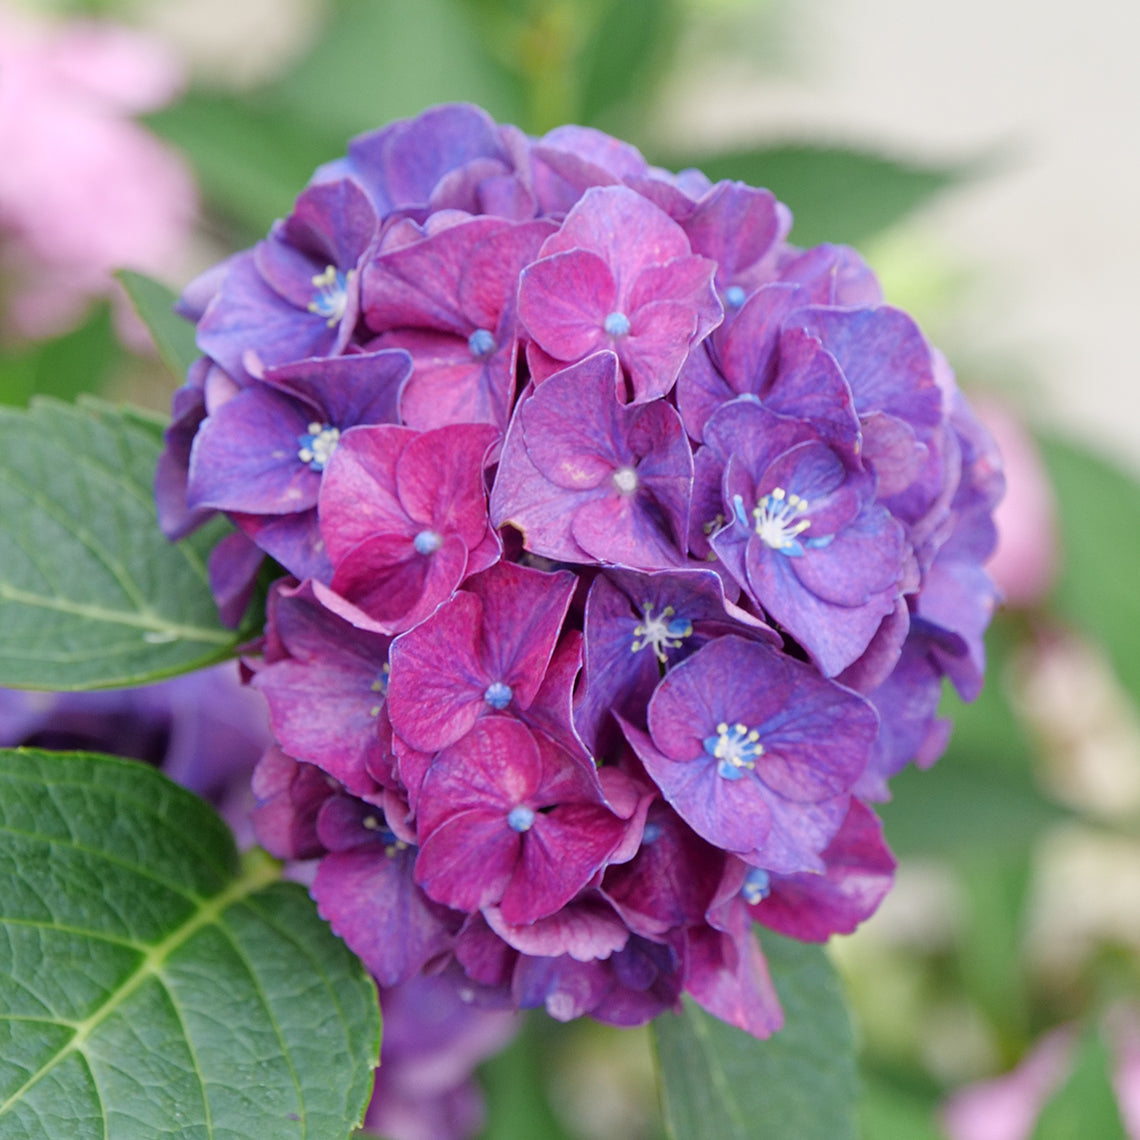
column 627, row 547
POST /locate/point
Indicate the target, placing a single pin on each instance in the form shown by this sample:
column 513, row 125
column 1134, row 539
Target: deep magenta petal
column 656, row 347
column 585, row 930
column 564, row 301
column 437, row 682
column 523, row 612
column 358, row 493
column 624, row 230
column 394, row 584
column 439, row 479
column 561, row 853
column 449, row 385
column 466, row 862
column 494, row 768
column 370, row 900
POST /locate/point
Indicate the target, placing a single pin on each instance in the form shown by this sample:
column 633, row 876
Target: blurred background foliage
column 1018, row 901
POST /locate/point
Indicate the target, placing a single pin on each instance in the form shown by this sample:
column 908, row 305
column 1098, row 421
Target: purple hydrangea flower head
column 632, row 546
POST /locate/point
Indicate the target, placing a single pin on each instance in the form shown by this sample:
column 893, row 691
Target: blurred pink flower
column 83, row 189
column 1008, row 1107
column 1024, row 564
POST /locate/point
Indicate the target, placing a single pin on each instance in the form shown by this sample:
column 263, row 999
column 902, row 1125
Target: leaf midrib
column 144, row 619
column 260, row 874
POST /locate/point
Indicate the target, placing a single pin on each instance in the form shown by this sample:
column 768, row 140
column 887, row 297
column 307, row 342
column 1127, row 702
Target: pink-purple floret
column 624, row 550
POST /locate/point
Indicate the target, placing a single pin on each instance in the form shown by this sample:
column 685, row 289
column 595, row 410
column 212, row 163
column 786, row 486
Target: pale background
column 1047, row 246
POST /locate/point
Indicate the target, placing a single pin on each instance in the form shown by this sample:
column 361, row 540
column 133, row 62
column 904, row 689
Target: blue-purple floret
column 630, row 547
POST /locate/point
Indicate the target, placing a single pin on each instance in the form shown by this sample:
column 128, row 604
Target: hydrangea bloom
column 630, row 548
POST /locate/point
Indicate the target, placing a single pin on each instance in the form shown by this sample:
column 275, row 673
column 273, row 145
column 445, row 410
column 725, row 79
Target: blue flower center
column 482, row 343
column 520, row 818
column 661, row 633
column 427, row 542
column 776, row 518
column 616, row 324
column 392, row 845
column 498, row 695
column 757, row 886
column 652, row 832
column 331, row 298
column 736, row 748
column 734, row 296
column 317, row 445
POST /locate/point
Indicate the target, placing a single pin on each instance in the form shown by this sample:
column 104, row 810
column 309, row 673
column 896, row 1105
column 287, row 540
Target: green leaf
column 629, row 41
column 154, row 985
column 383, row 59
column 77, row 362
column 889, row 1113
column 1100, row 534
column 251, row 160
column 154, row 303
column 515, row 1081
column 1086, row 1104
column 835, row 194
column 719, row 1083
column 91, row 593
column 981, row 798
column 990, row 950
column 954, row 809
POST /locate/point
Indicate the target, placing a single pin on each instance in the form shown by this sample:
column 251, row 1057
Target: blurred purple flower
column 204, row 730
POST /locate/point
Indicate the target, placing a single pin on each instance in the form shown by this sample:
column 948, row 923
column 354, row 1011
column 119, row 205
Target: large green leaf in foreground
column 718, row 1083
column 152, row 984
column 91, row 593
